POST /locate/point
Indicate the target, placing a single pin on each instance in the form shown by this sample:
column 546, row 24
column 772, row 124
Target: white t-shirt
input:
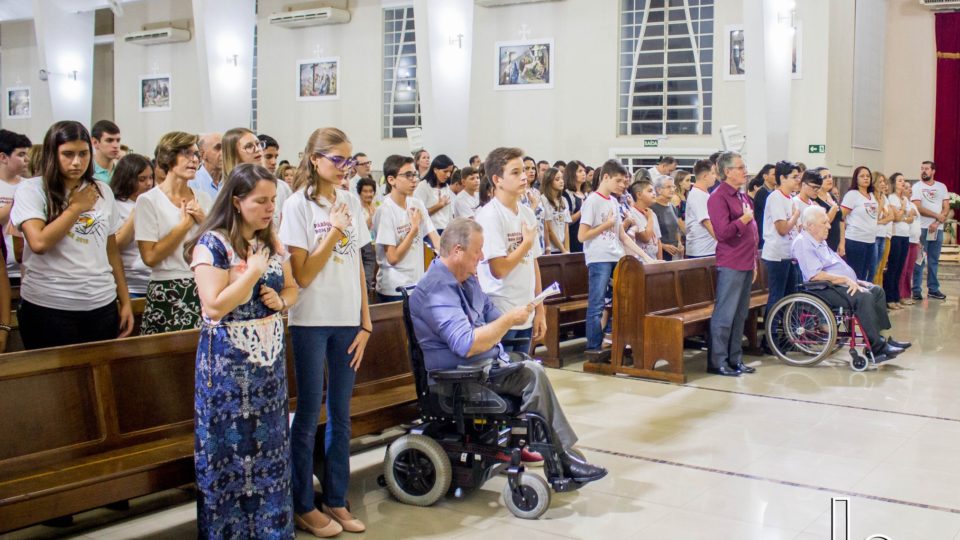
column 651, row 248
column 502, row 234
column 606, row 246
column 885, row 230
column 333, row 298
column 284, row 191
column 700, row 243
column 136, row 271
column 6, row 199
column 465, row 205
column 915, row 227
column 862, row 217
column 392, row 224
column 776, row 247
column 75, row 274
column 430, row 196
column 900, row 228
column 931, row 197
column 556, row 220
column 154, row 218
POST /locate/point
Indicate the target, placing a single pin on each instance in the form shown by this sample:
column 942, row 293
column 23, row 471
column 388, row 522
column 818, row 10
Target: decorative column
column 65, row 43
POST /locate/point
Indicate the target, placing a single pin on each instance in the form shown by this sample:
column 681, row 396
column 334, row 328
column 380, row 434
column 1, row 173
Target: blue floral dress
column 242, row 441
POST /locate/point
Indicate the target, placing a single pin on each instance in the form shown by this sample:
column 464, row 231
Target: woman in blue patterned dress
column 242, row 449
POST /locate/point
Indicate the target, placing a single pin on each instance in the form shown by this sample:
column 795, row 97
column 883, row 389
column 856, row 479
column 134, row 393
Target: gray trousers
column 729, row 316
column 533, row 387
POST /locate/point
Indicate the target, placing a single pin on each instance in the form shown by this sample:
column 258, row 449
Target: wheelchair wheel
column 531, row 499
column 801, row 330
column 858, row 362
column 417, row 470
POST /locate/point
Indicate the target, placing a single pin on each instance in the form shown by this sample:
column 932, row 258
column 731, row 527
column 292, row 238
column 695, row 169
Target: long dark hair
column 125, row 175
column 855, row 184
column 225, row 218
column 570, row 176
column 53, row 185
column 553, row 196
column 440, row 162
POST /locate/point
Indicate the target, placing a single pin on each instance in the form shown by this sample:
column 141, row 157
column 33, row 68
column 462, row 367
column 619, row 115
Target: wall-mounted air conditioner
column 310, row 17
column 941, row 5
column 498, row 3
column 156, row 36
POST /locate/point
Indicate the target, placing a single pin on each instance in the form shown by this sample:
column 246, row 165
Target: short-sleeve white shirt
column 465, row 205
column 700, row 243
column 430, row 196
column 7, row 192
column 155, row 216
column 776, row 247
column 556, row 220
column 134, row 269
column 392, row 224
column 606, row 246
column 650, row 248
column 931, row 197
column 862, row 215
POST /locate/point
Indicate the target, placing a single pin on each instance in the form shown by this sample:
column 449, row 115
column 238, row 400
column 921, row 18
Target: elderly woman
column 667, row 217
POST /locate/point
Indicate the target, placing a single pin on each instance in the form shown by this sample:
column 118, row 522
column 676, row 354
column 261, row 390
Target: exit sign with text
column 816, row 148
column 651, row 143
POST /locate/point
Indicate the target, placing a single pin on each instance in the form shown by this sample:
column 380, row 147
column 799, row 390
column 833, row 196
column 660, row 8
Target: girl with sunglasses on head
column 163, row 219
column 325, row 229
column 72, row 272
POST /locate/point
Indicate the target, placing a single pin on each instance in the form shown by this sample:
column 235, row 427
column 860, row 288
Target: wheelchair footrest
column 561, row 484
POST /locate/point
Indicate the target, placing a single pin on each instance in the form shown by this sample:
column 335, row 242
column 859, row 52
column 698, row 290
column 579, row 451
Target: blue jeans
column 860, row 257
column 523, row 338
column 314, row 347
column 729, row 316
column 598, row 280
column 783, row 277
column 932, row 248
column 881, row 244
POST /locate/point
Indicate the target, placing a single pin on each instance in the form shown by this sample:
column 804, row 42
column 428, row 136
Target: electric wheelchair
column 803, row 330
column 466, row 434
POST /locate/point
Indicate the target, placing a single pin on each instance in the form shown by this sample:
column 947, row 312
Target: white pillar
column 444, row 52
column 65, row 43
column 224, row 38
column 768, row 39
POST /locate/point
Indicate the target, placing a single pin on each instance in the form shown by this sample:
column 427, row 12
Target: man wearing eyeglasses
column 361, row 169
column 208, row 175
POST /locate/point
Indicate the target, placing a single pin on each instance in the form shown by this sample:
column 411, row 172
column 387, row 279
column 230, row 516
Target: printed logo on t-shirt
column 871, row 209
column 4, row 201
column 345, row 246
column 930, row 195
column 402, row 232
column 611, row 233
column 88, row 225
column 513, row 241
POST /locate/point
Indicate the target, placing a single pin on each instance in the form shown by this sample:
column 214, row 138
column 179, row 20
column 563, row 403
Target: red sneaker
column 531, row 459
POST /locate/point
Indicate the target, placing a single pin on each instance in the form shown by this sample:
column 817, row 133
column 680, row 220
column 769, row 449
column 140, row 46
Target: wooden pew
column 568, row 310
column 88, row 425
column 656, row 306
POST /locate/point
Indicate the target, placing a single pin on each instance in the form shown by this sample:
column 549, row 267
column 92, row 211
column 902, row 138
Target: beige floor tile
column 913, row 484
column 688, row 525
column 869, row 517
column 811, row 468
column 763, row 503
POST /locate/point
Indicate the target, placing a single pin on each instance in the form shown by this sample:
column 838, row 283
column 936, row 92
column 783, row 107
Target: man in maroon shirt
column 731, row 213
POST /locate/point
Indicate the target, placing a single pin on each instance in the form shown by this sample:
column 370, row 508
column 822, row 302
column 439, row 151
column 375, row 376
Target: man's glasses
column 339, row 162
column 409, row 175
column 363, row 163
column 252, row 147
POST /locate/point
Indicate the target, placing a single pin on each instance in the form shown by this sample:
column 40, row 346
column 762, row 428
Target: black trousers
column 899, row 245
column 869, row 306
column 42, row 327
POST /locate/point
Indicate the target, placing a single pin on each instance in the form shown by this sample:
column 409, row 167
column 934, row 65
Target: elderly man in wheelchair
column 859, row 306
column 479, row 406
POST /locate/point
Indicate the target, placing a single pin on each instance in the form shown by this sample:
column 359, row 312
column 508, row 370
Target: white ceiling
column 14, row 10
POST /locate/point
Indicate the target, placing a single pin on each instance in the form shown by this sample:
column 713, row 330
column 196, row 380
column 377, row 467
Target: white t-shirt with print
column 606, row 246
column 900, row 228
column 392, row 224
column 557, row 220
column 284, row 191
column 7, row 192
column 75, row 273
column 862, row 217
column 430, row 196
column 651, row 248
column 931, row 197
column 334, row 296
column 466, row 205
column 776, row 247
column 154, row 218
column 700, row 243
column 915, row 227
column 502, row 234
column 134, row 269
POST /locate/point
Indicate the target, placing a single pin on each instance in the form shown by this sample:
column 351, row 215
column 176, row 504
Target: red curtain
column 946, row 139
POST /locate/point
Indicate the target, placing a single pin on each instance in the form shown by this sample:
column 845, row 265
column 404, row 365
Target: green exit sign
column 651, row 143
column 816, row 148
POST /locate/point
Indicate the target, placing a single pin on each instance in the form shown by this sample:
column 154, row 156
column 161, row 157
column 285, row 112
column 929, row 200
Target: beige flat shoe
column 332, row 528
column 894, row 306
column 353, row 525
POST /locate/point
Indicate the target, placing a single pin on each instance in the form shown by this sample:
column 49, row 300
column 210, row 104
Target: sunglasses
column 339, row 162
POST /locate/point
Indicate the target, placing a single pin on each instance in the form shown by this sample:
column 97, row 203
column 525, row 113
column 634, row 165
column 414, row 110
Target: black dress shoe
column 743, row 368
column 878, row 358
column 899, row 344
column 580, row 471
column 724, row 370
column 888, row 350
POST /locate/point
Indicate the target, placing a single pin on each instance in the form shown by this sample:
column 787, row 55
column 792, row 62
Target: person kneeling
column 820, row 263
column 456, row 323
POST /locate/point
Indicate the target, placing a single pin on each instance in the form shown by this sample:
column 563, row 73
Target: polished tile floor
column 758, row 456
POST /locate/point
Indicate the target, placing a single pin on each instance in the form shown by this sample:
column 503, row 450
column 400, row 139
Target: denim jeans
column 523, row 338
column 598, row 280
column 932, row 248
column 860, row 257
column 729, row 316
column 881, row 245
column 314, row 347
column 783, row 277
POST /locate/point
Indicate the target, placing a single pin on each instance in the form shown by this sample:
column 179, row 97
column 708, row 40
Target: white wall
column 19, row 64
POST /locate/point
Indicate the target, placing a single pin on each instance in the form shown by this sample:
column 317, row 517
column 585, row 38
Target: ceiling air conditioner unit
column 310, row 17
column 498, row 3
column 941, row 5
column 156, row 36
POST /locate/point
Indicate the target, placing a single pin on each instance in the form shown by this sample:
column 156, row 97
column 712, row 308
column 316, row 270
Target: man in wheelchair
column 457, row 325
column 829, row 278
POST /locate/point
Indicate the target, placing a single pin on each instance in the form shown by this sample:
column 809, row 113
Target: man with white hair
column 667, row 217
column 819, row 263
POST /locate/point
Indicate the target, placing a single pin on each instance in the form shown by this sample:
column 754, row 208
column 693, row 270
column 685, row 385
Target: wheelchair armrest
column 465, row 374
column 504, row 369
column 814, row 286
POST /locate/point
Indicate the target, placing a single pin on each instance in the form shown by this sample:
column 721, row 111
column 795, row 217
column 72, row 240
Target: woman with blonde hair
column 240, row 145
column 324, row 230
column 885, row 220
column 162, row 219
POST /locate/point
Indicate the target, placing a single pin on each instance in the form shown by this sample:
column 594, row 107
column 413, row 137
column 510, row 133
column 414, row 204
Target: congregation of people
column 215, row 232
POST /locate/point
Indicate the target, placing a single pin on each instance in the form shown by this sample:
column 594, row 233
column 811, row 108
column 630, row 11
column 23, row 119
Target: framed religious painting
column 318, row 79
column 525, row 65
